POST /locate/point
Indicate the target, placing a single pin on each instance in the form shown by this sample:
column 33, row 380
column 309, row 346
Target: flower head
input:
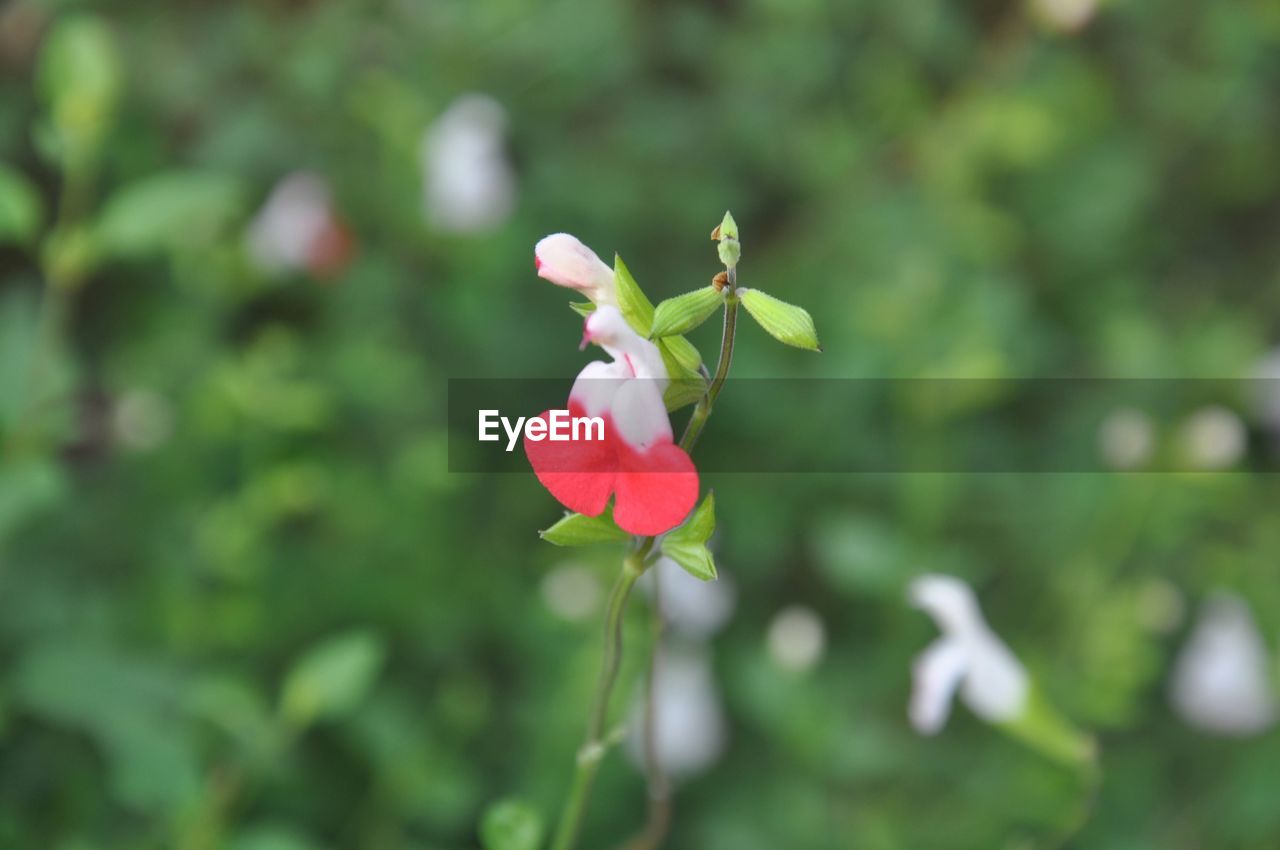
column 1222, row 682
column 565, row 261
column 969, row 657
column 652, row 481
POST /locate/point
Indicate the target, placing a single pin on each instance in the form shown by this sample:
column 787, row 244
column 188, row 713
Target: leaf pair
column 686, row 545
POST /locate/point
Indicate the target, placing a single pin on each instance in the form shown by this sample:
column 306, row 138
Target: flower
column 299, row 228
column 1221, row 680
column 565, row 261
column 469, row 185
column 652, row 480
column 690, row 731
column 968, row 657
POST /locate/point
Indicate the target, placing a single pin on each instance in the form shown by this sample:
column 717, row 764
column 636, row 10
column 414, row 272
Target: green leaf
column 20, row 207
column 1042, row 728
column 581, row 530
column 582, row 308
column 332, row 678
column 511, row 825
column 686, row 545
column 168, row 211
column 683, row 313
column 80, row 76
column 634, row 305
column 784, row 322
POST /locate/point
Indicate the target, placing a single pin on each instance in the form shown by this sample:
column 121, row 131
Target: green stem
column 702, row 411
column 595, row 745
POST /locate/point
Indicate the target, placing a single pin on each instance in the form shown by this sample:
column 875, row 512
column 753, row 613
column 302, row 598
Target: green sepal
column 582, row 308
column 581, row 530
column 634, row 305
column 511, row 824
column 686, row 545
column 1042, row 728
column 681, row 352
column 784, row 322
column 683, row 313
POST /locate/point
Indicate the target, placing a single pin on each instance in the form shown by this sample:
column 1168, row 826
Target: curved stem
column 703, row 410
column 595, row 745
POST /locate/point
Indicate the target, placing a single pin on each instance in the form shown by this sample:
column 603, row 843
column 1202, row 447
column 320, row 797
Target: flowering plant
column 637, row 484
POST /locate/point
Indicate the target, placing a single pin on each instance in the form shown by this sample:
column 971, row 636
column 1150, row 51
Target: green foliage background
column 289, row 627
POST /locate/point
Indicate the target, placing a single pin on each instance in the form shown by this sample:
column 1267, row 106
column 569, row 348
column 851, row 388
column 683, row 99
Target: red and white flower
column 653, row 482
column 565, row 261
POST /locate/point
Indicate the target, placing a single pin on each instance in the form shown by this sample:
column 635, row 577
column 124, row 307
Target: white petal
column 935, row 676
column 996, row 686
column 949, row 601
column 596, row 386
column 639, row 414
column 1221, row 681
column 607, row 328
column 565, row 261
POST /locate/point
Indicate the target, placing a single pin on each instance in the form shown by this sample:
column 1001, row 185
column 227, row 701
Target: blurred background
column 245, row 605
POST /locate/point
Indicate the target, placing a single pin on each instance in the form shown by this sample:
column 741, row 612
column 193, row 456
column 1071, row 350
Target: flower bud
column 565, row 261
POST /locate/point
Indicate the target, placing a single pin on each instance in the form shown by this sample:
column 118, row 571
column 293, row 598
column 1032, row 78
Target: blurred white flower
column 1213, row 438
column 298, row 228
column 1265, row 394
column 572, row 592
column 1222, row 678
column 689, row 723
column 1065, row 15
column 968, row 657
column 1126, row 438
column 692, row 608
column 141, row 420
column 797, row 638
column 469, row 185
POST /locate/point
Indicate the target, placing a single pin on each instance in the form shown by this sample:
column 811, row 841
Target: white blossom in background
column 969, row 657
column 1265, row 395
column 468, row 184
column 692, row 608
column 298, row 228
column 572, row 592
column 1222, row 677
column 1065, row 15
column 689, row 722
column 1126, row 438
column 1213, row 438
column 797, row 638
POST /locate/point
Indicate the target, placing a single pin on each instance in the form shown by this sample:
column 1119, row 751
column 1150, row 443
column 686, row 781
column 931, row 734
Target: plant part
column 638, row 482
column 652, row 480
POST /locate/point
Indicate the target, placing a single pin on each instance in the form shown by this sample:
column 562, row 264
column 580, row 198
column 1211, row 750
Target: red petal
column 579, row 473
column 655, row 489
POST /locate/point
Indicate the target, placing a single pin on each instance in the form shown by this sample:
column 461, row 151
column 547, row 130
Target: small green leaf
column 634, row 305
column 784, row 322
column 582, row 308
column 332, row 678
column 20, row 207
column 582, row 530
column 694, row 558
column 683, row 393
column 511, row 825
column 168, row 211
column 686, row 545
column 683, row 313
